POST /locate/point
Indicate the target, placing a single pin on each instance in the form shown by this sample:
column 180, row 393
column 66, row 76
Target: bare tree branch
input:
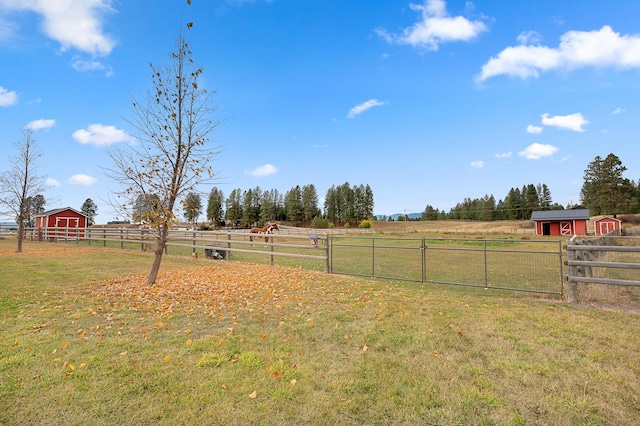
column 21, row 183
column 172, row 155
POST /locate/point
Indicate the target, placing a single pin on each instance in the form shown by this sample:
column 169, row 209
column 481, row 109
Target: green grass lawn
column 234, row 344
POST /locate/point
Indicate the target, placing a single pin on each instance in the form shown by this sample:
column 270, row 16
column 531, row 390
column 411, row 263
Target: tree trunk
column 157, row 259
column 20, row 236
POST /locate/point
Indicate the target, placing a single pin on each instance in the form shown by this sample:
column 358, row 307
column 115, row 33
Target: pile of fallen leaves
column 214, row 286
column 45, row 250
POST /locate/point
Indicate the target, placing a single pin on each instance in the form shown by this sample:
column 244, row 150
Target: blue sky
column 427, row 102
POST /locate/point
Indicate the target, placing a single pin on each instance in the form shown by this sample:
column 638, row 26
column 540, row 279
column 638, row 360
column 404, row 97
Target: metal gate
column 524, row 265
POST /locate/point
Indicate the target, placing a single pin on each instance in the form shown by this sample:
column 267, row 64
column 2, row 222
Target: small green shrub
column 251, row 359
column 320, row 223
column 365, row 224
column 211, row 360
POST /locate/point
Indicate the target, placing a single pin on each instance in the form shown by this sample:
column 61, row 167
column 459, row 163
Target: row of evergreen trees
column 343, row 204
column 605, row 191
column 517, row 205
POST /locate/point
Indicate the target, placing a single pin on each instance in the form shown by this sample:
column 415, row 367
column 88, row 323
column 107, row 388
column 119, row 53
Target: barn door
column 565, row 228
column 605, row 227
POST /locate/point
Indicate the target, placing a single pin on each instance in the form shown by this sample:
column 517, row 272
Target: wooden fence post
column 326, row 253
column 572, row 287
column 272, row 249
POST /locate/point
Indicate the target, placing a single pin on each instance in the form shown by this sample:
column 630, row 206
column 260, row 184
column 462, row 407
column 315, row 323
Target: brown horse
column 264, row 230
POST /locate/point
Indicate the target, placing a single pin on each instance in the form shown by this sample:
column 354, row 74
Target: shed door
column 546, row 228
column 606, row 227
column 565, row 228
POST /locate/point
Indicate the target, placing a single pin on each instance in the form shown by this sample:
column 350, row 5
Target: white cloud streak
column 101, row 135
column 7, row 97
column 504, row 155
column 82, row 180
column 534, row 129
column 359, row 109
column 266, row 170
column 435, row 27
column 575, row 122
column 537, row 151
column 477, row 164
column 75, row 24
column 83, row 66
column 41, row 124
column 52, row 183
column 577, row 49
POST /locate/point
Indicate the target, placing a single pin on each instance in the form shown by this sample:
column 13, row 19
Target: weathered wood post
column 572, row 286
column 326, row 254
column 272, row 249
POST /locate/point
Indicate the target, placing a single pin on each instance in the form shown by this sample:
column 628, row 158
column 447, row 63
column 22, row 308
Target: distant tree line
column 516, row 205
column 344, row 205
column 604, row 191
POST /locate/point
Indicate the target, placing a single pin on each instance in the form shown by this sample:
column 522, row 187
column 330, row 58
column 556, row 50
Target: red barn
column 60, row 224
column 561, row 222
column 606, row 224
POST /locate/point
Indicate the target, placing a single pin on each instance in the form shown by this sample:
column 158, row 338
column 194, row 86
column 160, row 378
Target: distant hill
column 397, row 215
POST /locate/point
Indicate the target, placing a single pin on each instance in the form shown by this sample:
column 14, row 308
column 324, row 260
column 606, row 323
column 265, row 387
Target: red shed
column 606, row 224
column 61, row 223
column 561, row 222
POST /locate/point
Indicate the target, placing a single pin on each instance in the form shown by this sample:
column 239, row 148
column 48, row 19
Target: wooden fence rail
column 583, row 256
column 227, row 242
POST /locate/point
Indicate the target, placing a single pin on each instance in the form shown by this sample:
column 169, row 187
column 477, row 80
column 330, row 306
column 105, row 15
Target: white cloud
column 504, row 155
column 619, row 110
column 7, row 29
column 80, row 179
column 573, row 122
column 529, row 37
column 359, row 109
column 41, row 124
column 536, row 151
column 50, row 182
column 577, row 49
column 75, row 24
column 435, row 26
column 266, row 170
column 7, row 98
column 534, row 129
column 83, row 66
column 101, row 135
column 477, row 164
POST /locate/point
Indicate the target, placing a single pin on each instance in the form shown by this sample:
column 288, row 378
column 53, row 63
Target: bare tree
column 20, row 183
column 171, row 156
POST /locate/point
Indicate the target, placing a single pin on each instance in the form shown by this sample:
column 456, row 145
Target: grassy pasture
column 84, row 341
column 510, row 263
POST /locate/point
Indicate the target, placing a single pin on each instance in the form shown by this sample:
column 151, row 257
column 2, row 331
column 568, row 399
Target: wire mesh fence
column 526, row 265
